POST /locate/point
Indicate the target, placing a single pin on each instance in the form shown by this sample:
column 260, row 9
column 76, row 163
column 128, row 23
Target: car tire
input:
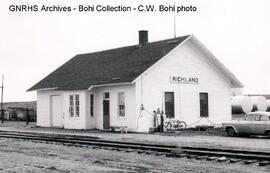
column 231, row 132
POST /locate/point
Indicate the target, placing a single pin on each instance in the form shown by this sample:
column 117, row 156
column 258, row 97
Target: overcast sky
column 33, row 44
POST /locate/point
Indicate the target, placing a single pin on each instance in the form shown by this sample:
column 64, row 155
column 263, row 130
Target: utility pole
column 2, row 96
column 174, row 21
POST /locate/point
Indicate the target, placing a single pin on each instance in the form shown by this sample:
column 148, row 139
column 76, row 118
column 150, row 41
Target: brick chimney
column 143, row 37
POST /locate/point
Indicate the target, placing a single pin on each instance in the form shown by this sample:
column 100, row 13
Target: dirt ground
column 25, row 156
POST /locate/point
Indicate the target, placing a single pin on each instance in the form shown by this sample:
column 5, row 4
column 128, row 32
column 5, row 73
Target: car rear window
column 265, row 118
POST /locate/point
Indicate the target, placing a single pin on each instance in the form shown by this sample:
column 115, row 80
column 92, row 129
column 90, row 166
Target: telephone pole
column 2, row 96
column 174, row 20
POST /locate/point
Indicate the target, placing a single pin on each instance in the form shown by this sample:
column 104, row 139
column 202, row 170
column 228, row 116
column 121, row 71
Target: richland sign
column 184, row 80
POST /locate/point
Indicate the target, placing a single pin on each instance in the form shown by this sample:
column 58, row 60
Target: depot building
column 123, row 86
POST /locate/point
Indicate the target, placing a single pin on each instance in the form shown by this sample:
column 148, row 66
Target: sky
column 33, row 44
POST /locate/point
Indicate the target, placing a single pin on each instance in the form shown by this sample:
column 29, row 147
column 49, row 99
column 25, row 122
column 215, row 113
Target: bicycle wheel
column 181, row 125
column 168, row 126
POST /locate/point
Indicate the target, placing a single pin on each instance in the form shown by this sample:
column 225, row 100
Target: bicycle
column 174, row 124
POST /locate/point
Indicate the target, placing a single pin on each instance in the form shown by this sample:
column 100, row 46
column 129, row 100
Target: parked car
column 254, row 123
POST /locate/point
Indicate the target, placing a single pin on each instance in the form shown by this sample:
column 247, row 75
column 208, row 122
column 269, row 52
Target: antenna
column 2, row 91
column 174, row 21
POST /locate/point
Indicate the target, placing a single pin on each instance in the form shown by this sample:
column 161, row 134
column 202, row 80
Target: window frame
column 77, row 105
column 204, row 107
column 91, row 105
column 74, row 106
column 166, row 106
column 119, row 106
column 71, row 106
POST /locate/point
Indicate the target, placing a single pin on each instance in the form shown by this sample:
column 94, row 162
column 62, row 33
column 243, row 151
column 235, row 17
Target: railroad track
column 211, row 154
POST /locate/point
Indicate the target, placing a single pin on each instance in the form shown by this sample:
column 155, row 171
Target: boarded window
column 91, row 105
column 71, row 106
column 169, row 104
column 204, row 105
column 121, row 104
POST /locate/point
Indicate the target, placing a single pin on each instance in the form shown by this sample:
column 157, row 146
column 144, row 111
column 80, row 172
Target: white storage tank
column 241, row 104
column 259, row 103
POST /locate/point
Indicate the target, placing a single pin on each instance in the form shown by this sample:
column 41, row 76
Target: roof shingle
column 110, row 66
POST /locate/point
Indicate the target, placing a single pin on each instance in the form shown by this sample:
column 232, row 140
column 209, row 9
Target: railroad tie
column 191, row 156
column 235, row 160
column 264, row 163
column 159, row 154
column 249, row 161
column 222, row 159
column 201, row 157
column 211, row 158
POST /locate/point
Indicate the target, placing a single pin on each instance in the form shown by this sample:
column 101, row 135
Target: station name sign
column 184, row 80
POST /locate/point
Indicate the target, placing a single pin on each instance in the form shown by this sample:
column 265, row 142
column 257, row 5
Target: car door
column 260, row 124
column 246, row 126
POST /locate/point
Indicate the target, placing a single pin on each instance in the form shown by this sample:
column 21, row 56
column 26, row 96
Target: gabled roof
column 115, row 66
column 235, row 83
column 119, row 65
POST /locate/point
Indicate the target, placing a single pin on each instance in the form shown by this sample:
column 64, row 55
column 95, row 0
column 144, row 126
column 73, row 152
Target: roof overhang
column 235, row 83
column 44, row 89
column 109, row 84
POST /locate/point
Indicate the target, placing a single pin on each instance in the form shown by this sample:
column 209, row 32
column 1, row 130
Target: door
column 260, row 124
column 106, row 111
column 56, row 110
column 246, row 126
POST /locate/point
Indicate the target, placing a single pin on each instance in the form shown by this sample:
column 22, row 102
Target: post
column 2, row 92
column 174, row 20
column 27, row 116
column 162, row 121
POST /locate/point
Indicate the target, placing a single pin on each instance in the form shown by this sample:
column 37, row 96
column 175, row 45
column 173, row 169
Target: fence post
column 2, row 115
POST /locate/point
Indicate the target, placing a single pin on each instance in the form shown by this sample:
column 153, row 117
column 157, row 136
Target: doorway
column 56, row 111
column 106, row 110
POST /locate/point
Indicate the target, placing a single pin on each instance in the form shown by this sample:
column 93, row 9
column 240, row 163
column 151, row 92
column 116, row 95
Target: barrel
column 268, row 105
column 259, row 103
column 241, row 104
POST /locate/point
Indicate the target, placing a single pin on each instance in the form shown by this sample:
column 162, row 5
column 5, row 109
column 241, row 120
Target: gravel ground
column 26, row 156
column 212, row 138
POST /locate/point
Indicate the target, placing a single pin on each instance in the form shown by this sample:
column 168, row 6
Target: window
column 71, row 106
column 121, row 104
column 257, row 117
column 106, row 96
column 74, row 105
column 169, row 104
column 204, row 105
column 77, row 105
column 91, row 105
column 249, row 117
